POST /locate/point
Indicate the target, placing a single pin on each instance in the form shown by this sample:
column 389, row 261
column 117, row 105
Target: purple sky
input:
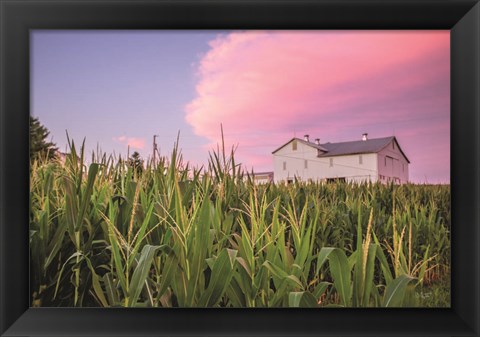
column 119, row 88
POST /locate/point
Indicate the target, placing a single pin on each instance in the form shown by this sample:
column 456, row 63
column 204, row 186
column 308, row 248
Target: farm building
column 262, row 177
column 379, row 159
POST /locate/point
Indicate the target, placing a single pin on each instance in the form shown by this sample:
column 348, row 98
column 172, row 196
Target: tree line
column 43, row 148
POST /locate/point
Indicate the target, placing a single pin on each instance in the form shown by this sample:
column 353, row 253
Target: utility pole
column 154, row 147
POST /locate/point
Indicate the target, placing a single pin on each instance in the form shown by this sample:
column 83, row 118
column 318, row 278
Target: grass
column 174, row 236
column 436, row 295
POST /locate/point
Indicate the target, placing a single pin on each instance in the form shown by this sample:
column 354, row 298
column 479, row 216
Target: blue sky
column 119, row 88
column 104, row 85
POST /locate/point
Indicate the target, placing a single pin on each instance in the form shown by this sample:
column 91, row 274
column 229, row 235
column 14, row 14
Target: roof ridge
column 359, row 140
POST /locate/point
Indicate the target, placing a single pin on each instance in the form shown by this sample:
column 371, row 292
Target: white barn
column 380, row 159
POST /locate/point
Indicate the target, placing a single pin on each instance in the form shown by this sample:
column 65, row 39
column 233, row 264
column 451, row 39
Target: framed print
column 247, row 168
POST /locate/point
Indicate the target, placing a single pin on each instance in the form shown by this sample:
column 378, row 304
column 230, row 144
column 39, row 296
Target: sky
column 118, row 89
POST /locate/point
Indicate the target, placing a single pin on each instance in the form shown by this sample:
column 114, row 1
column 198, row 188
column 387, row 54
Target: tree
column 136, row 162
column 39, row 146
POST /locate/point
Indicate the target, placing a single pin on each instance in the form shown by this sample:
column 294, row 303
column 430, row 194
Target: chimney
column 317, row 141
column 365, row 136
column 306, row 138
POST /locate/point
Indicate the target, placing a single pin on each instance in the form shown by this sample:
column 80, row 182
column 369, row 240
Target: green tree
column 40, row 147
column 136, row 162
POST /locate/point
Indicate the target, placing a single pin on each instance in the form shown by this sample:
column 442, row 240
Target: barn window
column 331, row 162
column 284, row 165
column 360, row 159
column 294, row 145
column 305, row 164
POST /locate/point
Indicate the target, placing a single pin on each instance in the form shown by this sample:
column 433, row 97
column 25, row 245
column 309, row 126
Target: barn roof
column 373, row 145
column 262, row 173
column 358, row 146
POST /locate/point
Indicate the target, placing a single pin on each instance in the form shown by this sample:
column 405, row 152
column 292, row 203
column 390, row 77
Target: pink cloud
column 134, row 143
column 265, row 86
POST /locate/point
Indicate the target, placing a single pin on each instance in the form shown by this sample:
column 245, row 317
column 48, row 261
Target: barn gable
column 318, row 147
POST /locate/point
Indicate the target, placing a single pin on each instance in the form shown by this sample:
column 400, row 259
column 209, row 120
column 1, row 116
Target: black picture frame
column 18, row 17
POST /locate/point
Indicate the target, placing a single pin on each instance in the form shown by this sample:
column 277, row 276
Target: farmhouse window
column 360, row 159
column 331, row 162
column 284, row 165
column 294, row 145
column 306, row 164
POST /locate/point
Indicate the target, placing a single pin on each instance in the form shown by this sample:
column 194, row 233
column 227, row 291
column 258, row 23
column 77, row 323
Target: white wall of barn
column 392, row 164
column 289, row 163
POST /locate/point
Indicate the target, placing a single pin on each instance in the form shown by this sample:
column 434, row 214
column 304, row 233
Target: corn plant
column 171, row 235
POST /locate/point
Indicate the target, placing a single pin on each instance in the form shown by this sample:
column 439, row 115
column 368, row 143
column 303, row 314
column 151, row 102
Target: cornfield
column 107, row 235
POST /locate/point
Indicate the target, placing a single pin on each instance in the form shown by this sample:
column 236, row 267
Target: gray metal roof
column 262, row 173
column 358, row 146
column 373, row 145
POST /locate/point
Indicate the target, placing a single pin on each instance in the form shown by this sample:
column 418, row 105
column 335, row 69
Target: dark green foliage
column 136, row 163
column 40, row 147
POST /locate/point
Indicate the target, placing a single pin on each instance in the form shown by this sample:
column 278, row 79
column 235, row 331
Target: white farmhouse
column 379, row 159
